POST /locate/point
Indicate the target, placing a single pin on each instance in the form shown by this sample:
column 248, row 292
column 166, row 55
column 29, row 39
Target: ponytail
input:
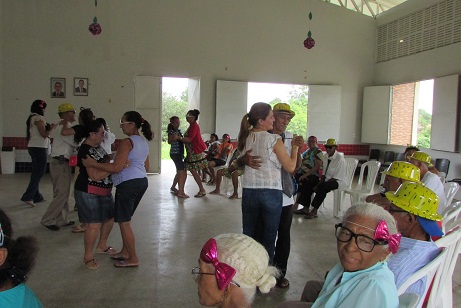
column 245, row 127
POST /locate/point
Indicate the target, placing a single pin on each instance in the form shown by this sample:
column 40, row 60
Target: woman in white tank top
column 262, row 187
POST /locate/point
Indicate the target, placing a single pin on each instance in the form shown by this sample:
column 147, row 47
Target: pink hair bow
column 223, row 272
column 382, row 234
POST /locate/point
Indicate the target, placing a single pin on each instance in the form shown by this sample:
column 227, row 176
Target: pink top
column 196, row 138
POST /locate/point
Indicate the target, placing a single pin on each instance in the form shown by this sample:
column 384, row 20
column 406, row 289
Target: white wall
column 425, row 65
column 258, row 40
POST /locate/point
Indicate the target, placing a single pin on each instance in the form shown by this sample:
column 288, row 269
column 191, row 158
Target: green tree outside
column 173, row 106
column 298, row 102
column 424, row 129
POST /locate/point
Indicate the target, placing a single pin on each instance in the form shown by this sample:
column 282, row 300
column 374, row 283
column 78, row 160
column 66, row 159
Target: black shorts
column 178, row 160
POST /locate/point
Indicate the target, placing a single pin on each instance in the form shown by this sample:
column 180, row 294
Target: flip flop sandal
column 117, row 257
column 91, row 264
column 109, row 250
column 200, row 194
column 183, row 196
column 124, row 264
column 78, row 229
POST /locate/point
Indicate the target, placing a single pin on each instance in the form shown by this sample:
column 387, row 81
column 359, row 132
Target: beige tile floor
column 169, row 234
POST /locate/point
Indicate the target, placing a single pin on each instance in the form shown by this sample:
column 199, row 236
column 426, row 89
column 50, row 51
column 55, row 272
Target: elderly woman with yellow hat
column 414, row 207
column 397, row 173
column 429, row 179
column 334, row 173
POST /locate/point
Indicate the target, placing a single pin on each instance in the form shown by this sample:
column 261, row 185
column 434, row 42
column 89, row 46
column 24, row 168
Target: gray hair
column 372, row 211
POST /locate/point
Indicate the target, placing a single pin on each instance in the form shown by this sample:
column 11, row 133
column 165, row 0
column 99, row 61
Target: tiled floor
column 169, row 233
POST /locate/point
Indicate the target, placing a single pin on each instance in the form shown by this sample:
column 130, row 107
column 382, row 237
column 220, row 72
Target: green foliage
column 165, row 150
column 298, row 103
column 424, row 129
column 173, row 106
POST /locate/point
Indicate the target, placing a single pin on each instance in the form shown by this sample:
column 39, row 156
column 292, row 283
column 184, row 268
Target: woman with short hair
column 177, row 155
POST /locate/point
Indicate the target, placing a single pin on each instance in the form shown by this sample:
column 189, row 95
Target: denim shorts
column 127, row 197
column 178, row 160
column 94, row 208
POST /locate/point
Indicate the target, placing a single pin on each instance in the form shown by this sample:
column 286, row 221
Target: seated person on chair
column 232, row 268
column 234, row 171
column 410, row 150
column 220, row 158
column 211, row 151
column 308, row 175
column 365, row 238
column 334, row 173
column 414, row 208
column 429, row 179
column 397, row 173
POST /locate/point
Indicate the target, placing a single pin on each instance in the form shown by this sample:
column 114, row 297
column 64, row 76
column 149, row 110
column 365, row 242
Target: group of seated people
column 217, row 155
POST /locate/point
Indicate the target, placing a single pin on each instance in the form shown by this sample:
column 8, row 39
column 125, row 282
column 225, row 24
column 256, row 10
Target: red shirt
column 196, row 138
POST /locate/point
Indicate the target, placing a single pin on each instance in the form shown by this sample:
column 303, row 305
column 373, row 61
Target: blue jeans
column 264, row 204
column 39, row 161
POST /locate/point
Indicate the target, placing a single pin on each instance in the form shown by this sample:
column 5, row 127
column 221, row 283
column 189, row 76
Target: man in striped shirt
column 414, row 207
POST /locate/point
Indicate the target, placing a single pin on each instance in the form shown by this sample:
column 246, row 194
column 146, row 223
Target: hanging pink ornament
column 309, row 43
column 95, row 28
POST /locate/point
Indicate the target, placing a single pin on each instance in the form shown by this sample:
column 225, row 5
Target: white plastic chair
column 450, row 215
column 450, row 191
column 338, row 194
column 225, row 182
column 427, row 271
column 364, row 190
column 228, row 182
column 441, row 293
column 442, row 177
column 408, row 300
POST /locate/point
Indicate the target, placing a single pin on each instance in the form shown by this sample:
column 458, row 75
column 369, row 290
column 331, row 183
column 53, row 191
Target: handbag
column 73, row 160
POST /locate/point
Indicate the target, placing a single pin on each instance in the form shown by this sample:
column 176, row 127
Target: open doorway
column 175, row 102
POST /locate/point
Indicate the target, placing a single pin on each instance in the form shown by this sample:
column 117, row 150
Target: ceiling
column 367, row 7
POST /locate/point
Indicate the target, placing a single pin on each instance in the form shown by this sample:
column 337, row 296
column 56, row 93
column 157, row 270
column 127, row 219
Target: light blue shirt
column 372, row 287
column 412, row 255
column 19, row 296
column 137, row 156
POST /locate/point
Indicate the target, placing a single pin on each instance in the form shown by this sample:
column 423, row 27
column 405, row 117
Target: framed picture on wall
column 80, row 86
column 58, row 87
